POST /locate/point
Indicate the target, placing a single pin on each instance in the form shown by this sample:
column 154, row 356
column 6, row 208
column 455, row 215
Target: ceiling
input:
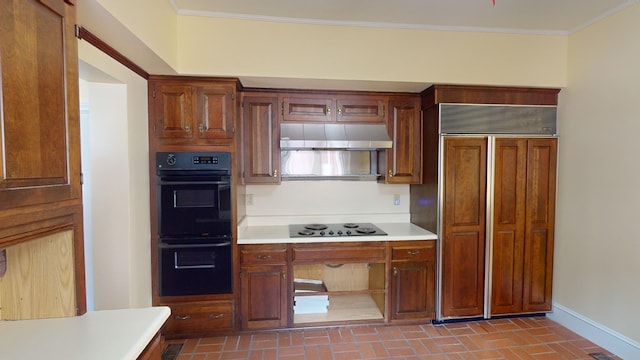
column 511, row 16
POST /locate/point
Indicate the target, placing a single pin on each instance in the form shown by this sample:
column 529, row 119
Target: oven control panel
column 168, row 161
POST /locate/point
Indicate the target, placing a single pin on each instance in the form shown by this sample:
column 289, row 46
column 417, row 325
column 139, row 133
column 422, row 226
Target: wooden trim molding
column 84, row 34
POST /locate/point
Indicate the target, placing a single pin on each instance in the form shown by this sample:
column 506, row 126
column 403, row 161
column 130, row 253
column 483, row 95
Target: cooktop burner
column 332, row 230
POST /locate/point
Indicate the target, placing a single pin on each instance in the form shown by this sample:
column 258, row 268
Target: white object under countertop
column 278, row 234
column 96, row 335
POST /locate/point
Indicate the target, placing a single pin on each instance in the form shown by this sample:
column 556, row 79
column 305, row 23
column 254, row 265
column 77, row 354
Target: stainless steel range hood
column 334, row 136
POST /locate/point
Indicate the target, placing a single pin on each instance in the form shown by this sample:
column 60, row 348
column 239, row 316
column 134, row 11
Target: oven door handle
column 192, row 182
column 194, row 246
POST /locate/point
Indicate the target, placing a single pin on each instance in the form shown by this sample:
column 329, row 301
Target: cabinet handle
column 413, row 252
column 390, row 173
column 201, row 128
column 264, row 257
column 395, row 271
column 187, row 128
column 340, row 110
column 284, row 275
column 275, row 173
column 216, row 316
column 328, row 110
column 183, row 317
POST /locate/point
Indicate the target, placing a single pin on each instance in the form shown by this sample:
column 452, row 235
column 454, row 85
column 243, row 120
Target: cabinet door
column 215, row 111
column 369, row 109
column 412, row 280
column 264, row 297
column 403, row 159
column 39, row 119
column 174, row 110
column 261, row 140
column 463, row 243
column 308, row 108
column 539, row 224
column 508, row 225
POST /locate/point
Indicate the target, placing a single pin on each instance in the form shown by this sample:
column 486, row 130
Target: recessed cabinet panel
column 261, row 134
column 174, row 111
column 216, row 118
column 39, row 120
column 307, row 109
column 463, row 243
column 370, row 110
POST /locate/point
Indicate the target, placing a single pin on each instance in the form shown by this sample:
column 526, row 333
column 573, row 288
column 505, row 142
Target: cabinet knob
column 275, row 173
column 183, row 317
column 328, row 109
column 201, row 128
column 395, row 271
column 390, row 173
column 339, row 110
column 187, row 128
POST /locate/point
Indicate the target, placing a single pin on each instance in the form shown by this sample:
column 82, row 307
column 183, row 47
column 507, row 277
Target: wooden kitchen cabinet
column 190, row 112
column 402, row 163
column 523, row 225
column 40, row 142
column 412, row 280
column 40, row 175
column 199, row 317
column 333, row 108
column 261, row 139
column 263, row 286
column 463, row 234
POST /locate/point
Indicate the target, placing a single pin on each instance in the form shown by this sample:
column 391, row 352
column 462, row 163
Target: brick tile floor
column 532, row 338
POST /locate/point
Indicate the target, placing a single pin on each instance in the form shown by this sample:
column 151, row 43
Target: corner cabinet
column 402, row 163
column 260, row 138
column 191, row 112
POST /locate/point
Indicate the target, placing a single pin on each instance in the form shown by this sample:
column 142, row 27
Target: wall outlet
column 249, row 199
column 396, row 199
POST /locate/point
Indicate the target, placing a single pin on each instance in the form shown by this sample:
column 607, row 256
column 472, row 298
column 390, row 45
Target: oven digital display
column 205, row 159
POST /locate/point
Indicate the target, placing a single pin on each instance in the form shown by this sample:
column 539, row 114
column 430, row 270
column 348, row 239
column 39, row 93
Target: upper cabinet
column 40, row 144
column 260, row 138
column 333, row 107
column 192, row 111
column 402, row 162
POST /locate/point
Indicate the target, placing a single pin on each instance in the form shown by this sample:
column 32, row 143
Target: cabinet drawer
column 263, row 254
column 419, row 251
column 343, row 252
column 199, row 317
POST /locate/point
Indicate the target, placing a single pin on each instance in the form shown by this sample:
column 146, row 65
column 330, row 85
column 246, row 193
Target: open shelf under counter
column 345, row 307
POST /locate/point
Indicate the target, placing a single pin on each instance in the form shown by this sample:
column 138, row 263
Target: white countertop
column 96, row 335
column 278, row 234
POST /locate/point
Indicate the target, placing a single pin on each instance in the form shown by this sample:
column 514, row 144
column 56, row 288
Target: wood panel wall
column 40, row 279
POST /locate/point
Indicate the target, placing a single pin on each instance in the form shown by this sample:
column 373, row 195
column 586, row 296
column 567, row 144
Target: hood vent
column 334, row 136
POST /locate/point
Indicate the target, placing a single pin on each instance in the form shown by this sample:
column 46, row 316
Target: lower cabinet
column 263, row 286
column 319, row 284
column 192, row 318
column 412, row 280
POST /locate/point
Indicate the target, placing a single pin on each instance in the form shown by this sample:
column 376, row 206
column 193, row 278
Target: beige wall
column 268, row 49
column 597, row 243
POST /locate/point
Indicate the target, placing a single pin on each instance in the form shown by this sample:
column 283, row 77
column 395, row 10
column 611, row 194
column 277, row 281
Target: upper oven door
column 194, row 206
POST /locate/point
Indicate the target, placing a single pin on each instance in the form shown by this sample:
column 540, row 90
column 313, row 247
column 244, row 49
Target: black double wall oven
column 194, row 223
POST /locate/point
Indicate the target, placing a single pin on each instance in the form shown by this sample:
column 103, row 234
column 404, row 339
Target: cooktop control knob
column 348, row 232
column 339, row 232
column 330, row 232
column 322, row 233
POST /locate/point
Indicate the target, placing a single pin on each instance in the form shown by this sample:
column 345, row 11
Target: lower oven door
column 195, row 269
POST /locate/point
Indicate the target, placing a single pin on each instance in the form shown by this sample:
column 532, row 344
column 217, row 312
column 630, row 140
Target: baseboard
column 599, row 334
